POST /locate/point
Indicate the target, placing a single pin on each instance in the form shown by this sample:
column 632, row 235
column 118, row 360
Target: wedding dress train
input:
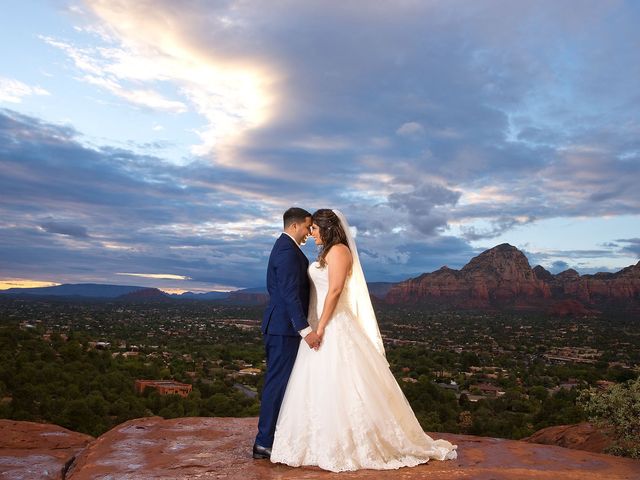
column 343, row 408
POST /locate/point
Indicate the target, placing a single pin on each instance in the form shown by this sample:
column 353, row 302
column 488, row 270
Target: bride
column 343, row 409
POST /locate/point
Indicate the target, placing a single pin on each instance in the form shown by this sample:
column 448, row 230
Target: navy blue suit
column 285, row 316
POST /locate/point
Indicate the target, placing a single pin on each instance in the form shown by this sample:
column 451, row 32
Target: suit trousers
column 281, row 352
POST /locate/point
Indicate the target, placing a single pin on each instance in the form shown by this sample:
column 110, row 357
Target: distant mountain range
column 91, row 290
column 202, row 296
column 499, row 278
column 88, row 291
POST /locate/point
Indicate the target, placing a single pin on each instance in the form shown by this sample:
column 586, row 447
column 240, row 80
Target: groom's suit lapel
column 297, row 248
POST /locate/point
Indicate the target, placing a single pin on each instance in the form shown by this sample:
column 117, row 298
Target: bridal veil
column 358, row 292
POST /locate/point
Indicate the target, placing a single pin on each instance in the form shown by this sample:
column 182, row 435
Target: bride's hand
column 320, row 332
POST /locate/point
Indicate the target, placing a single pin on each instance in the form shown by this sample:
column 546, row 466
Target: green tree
column 617, row 407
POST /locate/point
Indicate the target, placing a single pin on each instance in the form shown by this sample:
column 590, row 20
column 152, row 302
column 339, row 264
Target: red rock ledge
column 581, row 436
column 37, row 450
column 208, row 448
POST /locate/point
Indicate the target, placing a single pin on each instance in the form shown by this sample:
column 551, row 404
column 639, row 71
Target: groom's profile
column 285, row 320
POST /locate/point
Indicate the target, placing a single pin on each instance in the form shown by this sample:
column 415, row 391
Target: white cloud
column 410, row 129
column 94, row 62
column 167, row 276
column 152, row 52
column 141, row 97
column 12, row 91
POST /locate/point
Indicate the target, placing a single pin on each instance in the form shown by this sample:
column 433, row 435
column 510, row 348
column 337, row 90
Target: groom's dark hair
column 294, row 215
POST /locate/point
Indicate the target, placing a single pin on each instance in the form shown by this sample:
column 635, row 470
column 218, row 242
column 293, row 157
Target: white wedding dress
column 343, row 409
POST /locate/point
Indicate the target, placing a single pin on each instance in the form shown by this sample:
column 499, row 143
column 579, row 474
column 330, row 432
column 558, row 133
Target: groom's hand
column 313, row 340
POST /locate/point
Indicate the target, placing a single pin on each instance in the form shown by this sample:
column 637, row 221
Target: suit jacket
column 288, row 286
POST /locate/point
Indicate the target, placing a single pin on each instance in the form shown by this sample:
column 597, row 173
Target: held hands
column 313, row 340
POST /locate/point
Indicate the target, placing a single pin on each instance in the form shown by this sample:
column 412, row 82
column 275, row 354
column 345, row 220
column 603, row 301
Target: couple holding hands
column 332, row 402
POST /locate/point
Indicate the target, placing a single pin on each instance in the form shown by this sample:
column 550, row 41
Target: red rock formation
column 208, row 448
column 145, row 294
column 243, row 297
column 568, row 307
column 582, row 436
column 501, row 277
column 37, row 450
column 601, row 288
column 542, row 274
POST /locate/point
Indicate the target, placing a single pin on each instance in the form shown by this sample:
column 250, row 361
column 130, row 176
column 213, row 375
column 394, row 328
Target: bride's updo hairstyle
column 331, row 232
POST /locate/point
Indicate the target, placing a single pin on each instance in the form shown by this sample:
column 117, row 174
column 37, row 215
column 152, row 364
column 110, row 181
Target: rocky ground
column 219, row 448
column 582, row 436
column 37, row 450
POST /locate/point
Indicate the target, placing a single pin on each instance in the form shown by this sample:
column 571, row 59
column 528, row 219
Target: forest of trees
column 517, row 414
column 51, row 370
column 87, row 390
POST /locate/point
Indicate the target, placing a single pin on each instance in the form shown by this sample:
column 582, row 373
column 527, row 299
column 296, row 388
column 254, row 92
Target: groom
column 284, row 321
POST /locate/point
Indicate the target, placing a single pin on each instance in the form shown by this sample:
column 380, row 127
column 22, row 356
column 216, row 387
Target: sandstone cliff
column 601, row 289
column 219, row 448
column 40, row 451
column 501, row 277
column 582, row 436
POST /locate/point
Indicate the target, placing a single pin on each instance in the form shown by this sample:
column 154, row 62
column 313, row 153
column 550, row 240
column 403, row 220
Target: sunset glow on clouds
column 169, row 136
column 7, row 283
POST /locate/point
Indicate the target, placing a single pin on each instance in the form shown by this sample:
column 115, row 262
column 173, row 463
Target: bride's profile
column 343, row 408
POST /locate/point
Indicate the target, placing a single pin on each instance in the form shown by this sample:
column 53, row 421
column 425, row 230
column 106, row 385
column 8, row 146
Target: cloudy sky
column 158, row 142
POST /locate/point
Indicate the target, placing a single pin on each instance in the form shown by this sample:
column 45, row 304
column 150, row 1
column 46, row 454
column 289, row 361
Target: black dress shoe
column 261, row 452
